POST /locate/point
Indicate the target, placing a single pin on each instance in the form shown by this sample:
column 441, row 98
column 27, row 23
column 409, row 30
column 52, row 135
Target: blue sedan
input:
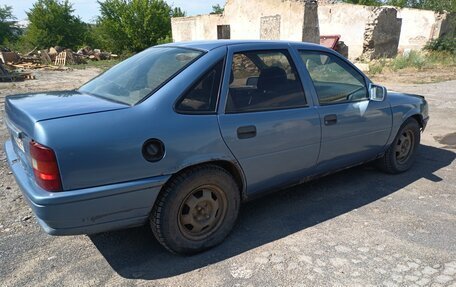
column 179, row 135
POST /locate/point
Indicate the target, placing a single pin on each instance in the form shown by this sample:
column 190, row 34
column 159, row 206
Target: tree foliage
column 365, row 2
column 8, row 29
column 436, row 5
column 177, row 12
column 133, row 25
column 217, row 9
column 52, row 23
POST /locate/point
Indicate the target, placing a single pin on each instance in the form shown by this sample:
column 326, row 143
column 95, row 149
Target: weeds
column 377, row 66
column 443, row 44
column 412, row 59
column 102, row 65
column 418, row 60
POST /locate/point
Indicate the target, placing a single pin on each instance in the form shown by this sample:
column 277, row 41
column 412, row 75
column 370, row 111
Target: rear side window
column 335, row 81
column 136, row 78
column 264, row 80
column 202, row 96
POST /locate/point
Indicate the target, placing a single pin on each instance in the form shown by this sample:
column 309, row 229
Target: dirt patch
column 50, row 81
column 415, row 76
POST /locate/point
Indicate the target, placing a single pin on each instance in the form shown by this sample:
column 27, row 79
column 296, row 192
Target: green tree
column 52, row 23
column 436, row 5
column 8, row 30
column 217, row 9
column 133, row 25
column 177, row 12
column 365, row 2
column 95, row 37
column 397, row 3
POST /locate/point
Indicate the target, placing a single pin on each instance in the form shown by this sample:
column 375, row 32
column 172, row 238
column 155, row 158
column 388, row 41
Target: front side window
column 202, row 96
column 335, row 81
column 137, row 77
column 264, row 80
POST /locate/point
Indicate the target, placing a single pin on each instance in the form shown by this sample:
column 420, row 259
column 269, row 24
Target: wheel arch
column 399, row 119
column 232, row 168
column 418, row 118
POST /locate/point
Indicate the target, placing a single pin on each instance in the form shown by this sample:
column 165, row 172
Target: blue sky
column 88, row 9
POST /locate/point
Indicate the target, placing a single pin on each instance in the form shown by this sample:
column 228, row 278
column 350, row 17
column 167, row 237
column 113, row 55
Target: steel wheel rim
column 404, row 146
column 202, row 212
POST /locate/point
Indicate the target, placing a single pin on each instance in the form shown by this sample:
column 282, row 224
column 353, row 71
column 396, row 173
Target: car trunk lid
column 24, row 111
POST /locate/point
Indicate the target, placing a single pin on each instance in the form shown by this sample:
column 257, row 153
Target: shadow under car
column 134, row 253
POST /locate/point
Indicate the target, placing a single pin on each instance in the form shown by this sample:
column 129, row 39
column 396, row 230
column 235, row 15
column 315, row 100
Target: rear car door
column 354, row 129
column 266, row 119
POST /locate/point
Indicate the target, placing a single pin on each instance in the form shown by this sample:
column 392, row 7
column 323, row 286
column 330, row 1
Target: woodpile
column 95, row 54
column 14, row 76
column 54, row 58
column 57, row 56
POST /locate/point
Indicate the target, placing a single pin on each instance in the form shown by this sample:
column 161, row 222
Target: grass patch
column 102, row 65
column 441, row 58
column 414, row 60
column 376, row 67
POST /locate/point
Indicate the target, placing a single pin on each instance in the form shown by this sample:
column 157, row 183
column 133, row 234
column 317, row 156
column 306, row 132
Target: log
column 31, row 52
column 45, row 59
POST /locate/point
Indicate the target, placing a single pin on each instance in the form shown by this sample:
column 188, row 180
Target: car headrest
column 272, row 79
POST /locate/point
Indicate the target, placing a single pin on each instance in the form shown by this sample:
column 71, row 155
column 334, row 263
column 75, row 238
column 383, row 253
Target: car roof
column 213, row 44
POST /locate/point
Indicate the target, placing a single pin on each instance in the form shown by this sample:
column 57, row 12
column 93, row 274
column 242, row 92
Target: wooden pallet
column 6, row 76
column 60, row 60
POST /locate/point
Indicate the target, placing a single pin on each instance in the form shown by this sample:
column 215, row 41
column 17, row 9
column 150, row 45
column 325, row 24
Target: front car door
column 266, row 118
column 354, row 129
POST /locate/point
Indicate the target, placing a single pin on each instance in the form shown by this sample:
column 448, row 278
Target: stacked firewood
column 53, row 57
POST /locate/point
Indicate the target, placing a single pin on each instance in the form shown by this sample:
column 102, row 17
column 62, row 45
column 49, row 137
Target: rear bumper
column 89, row 210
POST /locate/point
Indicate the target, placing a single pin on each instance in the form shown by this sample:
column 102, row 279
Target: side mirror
column 377, row 93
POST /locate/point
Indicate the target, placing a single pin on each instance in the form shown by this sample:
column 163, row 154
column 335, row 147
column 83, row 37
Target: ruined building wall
column 195, row 27
column 347, row 20
column 311, row 23
column 351, row 21
column 265, row 19
column 382, row 33
column 420, row 26
column 363, row 28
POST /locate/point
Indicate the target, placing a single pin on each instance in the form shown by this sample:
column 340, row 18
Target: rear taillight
column 45, row 167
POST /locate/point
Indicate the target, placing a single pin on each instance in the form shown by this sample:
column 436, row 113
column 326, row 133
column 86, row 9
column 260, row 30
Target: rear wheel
column 400, row 156
column 196, row 210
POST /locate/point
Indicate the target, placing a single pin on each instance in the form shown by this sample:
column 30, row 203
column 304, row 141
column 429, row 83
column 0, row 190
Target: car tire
column 196, row 210
column 401, row 154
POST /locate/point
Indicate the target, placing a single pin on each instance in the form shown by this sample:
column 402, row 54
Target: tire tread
column 171, row 185
column 386, row 162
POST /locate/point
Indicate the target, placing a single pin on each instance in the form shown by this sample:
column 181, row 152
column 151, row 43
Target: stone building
column 364, row 27
column 295, row 20
column 369, row 32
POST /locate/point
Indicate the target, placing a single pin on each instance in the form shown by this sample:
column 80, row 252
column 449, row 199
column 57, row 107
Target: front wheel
column 400, row 156
column 196, row 210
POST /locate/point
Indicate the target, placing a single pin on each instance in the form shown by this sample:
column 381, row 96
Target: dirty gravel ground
column 359, row 227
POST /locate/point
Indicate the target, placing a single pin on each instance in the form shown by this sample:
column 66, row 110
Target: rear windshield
column 134, row 79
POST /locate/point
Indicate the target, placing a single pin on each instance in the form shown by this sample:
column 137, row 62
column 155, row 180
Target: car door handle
column 246, row 132
column 330, row 120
